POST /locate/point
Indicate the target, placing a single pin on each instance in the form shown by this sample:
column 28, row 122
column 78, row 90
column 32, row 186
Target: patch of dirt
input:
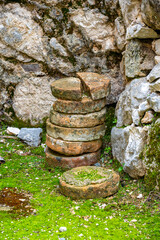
column 15, row 202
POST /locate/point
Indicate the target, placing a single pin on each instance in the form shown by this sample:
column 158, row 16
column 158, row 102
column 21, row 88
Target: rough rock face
column 33, row 99
column 19, row 31
column 133, row 102
column 127, row 145
column 151, row 13
column 94, row 27
column 138, row 103
column 63, row 42
column 139, row 59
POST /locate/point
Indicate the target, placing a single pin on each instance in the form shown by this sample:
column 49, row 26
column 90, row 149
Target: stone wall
column 138, row 107
column 44, row 40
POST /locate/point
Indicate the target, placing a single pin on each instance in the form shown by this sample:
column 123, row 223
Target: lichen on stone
column 151, row 157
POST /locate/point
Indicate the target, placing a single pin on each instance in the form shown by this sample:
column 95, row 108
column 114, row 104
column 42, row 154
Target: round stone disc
column 72, row 148
column 78, row 120
column 89, row 182
column 67, row 88
column 54, row 159
column 86, row 105
column 75, row 134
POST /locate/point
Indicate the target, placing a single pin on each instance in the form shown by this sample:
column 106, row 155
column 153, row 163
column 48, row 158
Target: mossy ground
column 118, row 217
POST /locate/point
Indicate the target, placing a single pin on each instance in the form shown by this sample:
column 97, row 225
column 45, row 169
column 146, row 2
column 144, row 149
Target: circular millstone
column 86, row 105
column 72, row 148
column 77, row 120
column 67, row 88
column 75, row 134
column 89, row 182
column 54, row 159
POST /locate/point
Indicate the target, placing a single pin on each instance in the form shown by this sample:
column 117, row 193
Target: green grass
column 109, row 218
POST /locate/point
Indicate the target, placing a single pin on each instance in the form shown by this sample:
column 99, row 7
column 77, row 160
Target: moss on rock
column 151, row 156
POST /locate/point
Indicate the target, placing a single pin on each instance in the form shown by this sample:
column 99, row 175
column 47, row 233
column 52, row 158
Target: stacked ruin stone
column 77, row 120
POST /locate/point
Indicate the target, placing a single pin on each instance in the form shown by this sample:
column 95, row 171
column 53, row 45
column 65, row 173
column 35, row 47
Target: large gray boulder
column 127, row 146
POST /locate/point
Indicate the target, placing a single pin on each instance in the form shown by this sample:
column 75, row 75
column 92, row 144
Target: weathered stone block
column 127, row 146
column 54, row 159
column 139, row 59
column 77, row 120
column 86, row 105
column 72, row 148
column 67, row 88
column 89, row 182
column 97, row 85
column 75, row 134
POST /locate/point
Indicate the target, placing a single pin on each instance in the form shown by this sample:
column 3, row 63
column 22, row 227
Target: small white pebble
column 140, row 196
column 80, row 235
column 63, row 229
column 133, row 220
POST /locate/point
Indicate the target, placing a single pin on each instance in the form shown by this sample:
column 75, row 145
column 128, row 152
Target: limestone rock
column 156, row 46
column 148, row 117
column 89, row 182
column 151, row 13
column 140, row 31
column 32, row 99
column 133, row 102
column 154, row 74
column 86, row 105
column 127, row 145
column 117, row 85
column 154, row 101
column 130, row 11
column 54, row 159
column 58, row 47
column 155, row 86
column 9, row 52
column 19, row 31
column 157, row 59
column 31, row 136
column 75, row 134
column 120, row 33
column 72, row 148
column 97, row 85
column 13, row 131
column 67, row 88
column 94, row 26
column 77, row 120
column 139, row 59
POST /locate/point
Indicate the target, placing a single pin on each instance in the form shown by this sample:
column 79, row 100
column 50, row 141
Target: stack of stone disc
column 77, row 120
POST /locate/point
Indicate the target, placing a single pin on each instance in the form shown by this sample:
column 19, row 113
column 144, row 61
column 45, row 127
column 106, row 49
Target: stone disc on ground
column 89, row 182
column 67, row 88
column 86, row 105
column 78, row 120
column 75, row 134
column 54, row 159
column 72, row 148
column 98, row 86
